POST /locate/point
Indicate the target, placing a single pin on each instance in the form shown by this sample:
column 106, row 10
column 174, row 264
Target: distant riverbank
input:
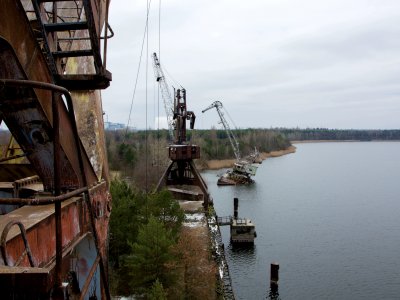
column 216, row 164
column 340, row 141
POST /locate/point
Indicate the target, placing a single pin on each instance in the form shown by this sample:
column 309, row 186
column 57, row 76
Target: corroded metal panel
column 39, row 223
column 89, row 117
column 183, row 152
column 88, row 107
column 100, row 199
column 25, row 283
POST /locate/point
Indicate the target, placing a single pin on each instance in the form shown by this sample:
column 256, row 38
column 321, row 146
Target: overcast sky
column 272, row 63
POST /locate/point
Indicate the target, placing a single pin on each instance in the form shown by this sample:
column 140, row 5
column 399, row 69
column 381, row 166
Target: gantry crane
column 243, row 168
column 165, row 94
column 182, row 170
column 181, row 152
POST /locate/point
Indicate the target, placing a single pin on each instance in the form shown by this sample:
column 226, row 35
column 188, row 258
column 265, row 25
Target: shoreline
column 339, row 141
column 216, row 164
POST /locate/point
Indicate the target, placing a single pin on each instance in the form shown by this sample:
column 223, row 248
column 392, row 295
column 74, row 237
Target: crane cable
column 146, row 117
column 158, row 160
column 230, row 118
column 138, row 70
column 172, row 78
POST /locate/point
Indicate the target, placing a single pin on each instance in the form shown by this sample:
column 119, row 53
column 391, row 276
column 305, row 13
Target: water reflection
column 273, row 293
column 242, row 251
column 239, row 256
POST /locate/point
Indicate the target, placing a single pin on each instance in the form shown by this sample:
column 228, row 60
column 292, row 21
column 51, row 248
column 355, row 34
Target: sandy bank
column 215, row 164
column 340, row 141
column 323, row 141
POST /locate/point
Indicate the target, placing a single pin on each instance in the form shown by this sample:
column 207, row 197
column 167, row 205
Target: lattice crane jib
column 232, row 138
column 166, row 96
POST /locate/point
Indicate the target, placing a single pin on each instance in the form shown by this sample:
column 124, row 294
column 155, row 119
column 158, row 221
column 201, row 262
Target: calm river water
column 329, row 214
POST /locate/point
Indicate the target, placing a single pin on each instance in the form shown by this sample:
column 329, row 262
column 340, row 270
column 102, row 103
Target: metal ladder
column 71, row 29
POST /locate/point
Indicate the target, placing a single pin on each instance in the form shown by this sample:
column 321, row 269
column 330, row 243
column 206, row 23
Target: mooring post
column 274, row 275
column 235, row 208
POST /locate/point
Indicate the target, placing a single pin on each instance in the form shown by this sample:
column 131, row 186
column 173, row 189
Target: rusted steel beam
column 89, row 278
column 43, row 200
column 93, row 21
column 34, row 84
column 76, row 53
column 53, row 27
column 57, row 191
column 106, row 37
column 40, row 1
column 81, row 165
column 13, row 157
column 51, row 63
column 84, row 81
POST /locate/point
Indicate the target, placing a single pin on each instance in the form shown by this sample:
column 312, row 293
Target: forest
column 310, row 134
column 135, row 153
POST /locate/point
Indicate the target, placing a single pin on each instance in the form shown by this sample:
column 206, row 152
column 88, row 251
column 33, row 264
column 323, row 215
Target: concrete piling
column 274, row 274
column 235, row 208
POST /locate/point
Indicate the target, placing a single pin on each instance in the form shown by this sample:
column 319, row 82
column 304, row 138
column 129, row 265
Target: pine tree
column 151, row 254
column 167, row 210
column 157, row 291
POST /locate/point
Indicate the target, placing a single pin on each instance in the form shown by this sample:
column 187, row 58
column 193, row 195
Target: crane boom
column 165, row 94
column 232, row 138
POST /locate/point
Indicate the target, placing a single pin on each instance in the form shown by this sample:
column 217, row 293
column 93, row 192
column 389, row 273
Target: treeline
column 215, row 143
column 143, row 155
column 310, row 134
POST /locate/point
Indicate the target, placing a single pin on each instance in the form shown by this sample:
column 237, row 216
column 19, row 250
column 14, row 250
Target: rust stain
column 32, row 119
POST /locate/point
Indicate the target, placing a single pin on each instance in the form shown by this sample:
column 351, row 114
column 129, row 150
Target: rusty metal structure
column 166, row 96
column 54, row 198
column 243, row 168
column 182, row 170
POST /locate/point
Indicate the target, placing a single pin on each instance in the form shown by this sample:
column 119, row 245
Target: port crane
column 232, row 138
column 181, row 171
column 243, row 168
column 165, row 94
